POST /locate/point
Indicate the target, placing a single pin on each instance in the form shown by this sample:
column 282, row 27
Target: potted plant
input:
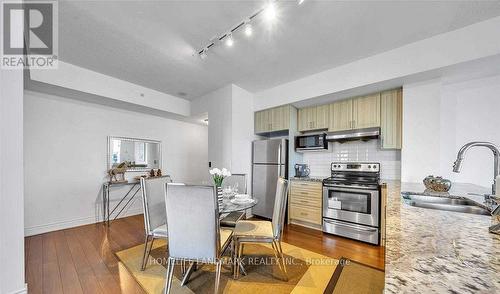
column 218, row 176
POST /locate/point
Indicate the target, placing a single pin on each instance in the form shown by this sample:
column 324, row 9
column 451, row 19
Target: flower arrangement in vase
column 218, row 176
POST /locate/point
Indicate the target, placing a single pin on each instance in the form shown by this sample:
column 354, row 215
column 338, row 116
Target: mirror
column 142, row 155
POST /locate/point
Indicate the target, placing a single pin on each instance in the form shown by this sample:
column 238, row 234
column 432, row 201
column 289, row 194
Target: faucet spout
column 496, row 158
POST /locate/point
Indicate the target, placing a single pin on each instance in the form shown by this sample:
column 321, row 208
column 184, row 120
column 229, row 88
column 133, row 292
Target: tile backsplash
column 390, row 160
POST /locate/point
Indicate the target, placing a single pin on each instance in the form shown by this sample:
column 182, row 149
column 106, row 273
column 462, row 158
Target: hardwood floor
column 82, row 260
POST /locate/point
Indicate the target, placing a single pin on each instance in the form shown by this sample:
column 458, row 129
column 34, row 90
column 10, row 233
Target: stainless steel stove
column 351, row 201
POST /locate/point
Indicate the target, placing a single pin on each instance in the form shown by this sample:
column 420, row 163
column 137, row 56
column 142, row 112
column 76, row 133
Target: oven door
column 352, row 205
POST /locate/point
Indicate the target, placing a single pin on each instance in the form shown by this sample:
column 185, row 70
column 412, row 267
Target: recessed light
column 301, row 1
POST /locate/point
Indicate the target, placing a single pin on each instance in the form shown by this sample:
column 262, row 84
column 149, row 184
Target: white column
column 11, row 183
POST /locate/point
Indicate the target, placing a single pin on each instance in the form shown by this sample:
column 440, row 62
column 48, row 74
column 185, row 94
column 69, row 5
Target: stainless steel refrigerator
column 269, row 161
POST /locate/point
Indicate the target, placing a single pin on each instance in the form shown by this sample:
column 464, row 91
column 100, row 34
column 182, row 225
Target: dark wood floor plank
column 86, row 275
column 90, row 251
column 51, row 275
column 106, row 246
column 101, row 271
column 34, row 268
column 69, row 275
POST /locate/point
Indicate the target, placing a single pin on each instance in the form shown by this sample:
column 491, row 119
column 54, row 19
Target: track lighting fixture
column 269, row 12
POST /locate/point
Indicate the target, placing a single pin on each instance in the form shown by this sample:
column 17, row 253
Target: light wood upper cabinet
column 280, row 118
column 340, row 118
column 391, row 118
column 271, row 120
column 366, row 111
column 313, row 118
column 322, row 116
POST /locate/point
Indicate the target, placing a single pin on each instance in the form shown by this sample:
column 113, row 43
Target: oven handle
column 351, row 190
column 349, row 226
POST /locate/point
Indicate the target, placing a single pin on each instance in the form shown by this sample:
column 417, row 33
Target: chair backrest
column 278, row 220
column 192, row 222
column 153, row 201
column 240, row 179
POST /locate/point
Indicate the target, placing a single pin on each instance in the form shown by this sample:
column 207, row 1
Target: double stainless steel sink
column 443, row 203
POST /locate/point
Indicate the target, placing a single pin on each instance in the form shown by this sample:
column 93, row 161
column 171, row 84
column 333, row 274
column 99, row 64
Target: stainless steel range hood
column 349, row 135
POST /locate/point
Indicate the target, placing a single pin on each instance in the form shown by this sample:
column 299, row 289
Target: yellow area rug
column 308, row 272
column 353, row 277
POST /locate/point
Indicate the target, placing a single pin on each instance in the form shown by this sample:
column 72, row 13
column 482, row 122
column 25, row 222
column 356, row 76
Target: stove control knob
column 369, row 166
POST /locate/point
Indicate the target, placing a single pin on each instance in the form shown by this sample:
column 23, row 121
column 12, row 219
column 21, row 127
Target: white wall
column 218, row 105
column 230, row 126
column 81, row 79
column 390, row 160
column 65, row 156
column 439, row 118
column 460, row 46
column 242, row 132
column 11, row 182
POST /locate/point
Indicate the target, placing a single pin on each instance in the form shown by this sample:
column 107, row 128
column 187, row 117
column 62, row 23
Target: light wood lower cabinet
column 383, row 214
column 305, row 204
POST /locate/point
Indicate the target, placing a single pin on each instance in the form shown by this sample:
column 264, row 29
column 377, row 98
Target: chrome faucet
column 491, row 200
column 496, row 155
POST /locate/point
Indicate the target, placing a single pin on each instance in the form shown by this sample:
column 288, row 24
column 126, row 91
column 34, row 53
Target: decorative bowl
column 437, row 184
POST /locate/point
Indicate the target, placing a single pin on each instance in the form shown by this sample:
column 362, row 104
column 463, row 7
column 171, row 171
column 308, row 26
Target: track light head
column 270, row 11
column 248, row 29
column 203, row 54
column 229, row 40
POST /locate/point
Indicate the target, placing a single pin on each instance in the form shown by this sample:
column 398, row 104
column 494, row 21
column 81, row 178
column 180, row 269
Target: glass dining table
column 230, row 205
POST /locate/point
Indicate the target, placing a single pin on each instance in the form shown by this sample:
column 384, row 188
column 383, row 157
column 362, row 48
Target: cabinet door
column 307, row 119
column 280, row 118
column 322, row 114
column 302, row 119
column 258, row 123
column 340, row 118
column 391, row 117
column 366, row 111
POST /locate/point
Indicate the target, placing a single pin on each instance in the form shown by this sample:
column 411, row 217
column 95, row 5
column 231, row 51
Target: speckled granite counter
column 435, row 251
column 308, row 179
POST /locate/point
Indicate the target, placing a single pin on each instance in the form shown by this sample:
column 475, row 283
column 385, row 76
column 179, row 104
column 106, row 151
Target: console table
column 106, row 187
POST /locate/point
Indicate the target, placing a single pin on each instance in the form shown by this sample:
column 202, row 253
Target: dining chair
column 249, row 231
column 239, row 180
column 194, row 233
column 153, row 203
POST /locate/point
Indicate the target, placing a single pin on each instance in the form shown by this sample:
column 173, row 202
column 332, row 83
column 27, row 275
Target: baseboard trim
column 21, row 291
column 56, row 226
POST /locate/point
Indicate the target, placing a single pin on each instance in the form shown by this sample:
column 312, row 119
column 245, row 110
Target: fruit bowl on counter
column 437, row 184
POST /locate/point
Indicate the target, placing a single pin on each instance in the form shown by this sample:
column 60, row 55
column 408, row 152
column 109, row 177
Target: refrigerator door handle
column 279, row 160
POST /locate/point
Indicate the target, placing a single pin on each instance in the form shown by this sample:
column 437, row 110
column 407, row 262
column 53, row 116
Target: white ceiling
column 151, row 43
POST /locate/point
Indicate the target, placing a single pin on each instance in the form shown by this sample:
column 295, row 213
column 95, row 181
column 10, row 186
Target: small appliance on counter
column 312, row 142
column 351, row 201
column 301, row 170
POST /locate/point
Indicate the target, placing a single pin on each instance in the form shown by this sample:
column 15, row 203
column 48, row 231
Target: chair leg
column 218, row 266
column 147, row 250
column 276, row 254
column 282, row 259
column 170, row 271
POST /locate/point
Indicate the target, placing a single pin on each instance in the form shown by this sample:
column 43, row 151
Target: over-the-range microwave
column 311, row 142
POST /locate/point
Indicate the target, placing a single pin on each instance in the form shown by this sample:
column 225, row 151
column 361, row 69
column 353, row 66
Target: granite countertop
column 439, row 251
column 308, row 179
